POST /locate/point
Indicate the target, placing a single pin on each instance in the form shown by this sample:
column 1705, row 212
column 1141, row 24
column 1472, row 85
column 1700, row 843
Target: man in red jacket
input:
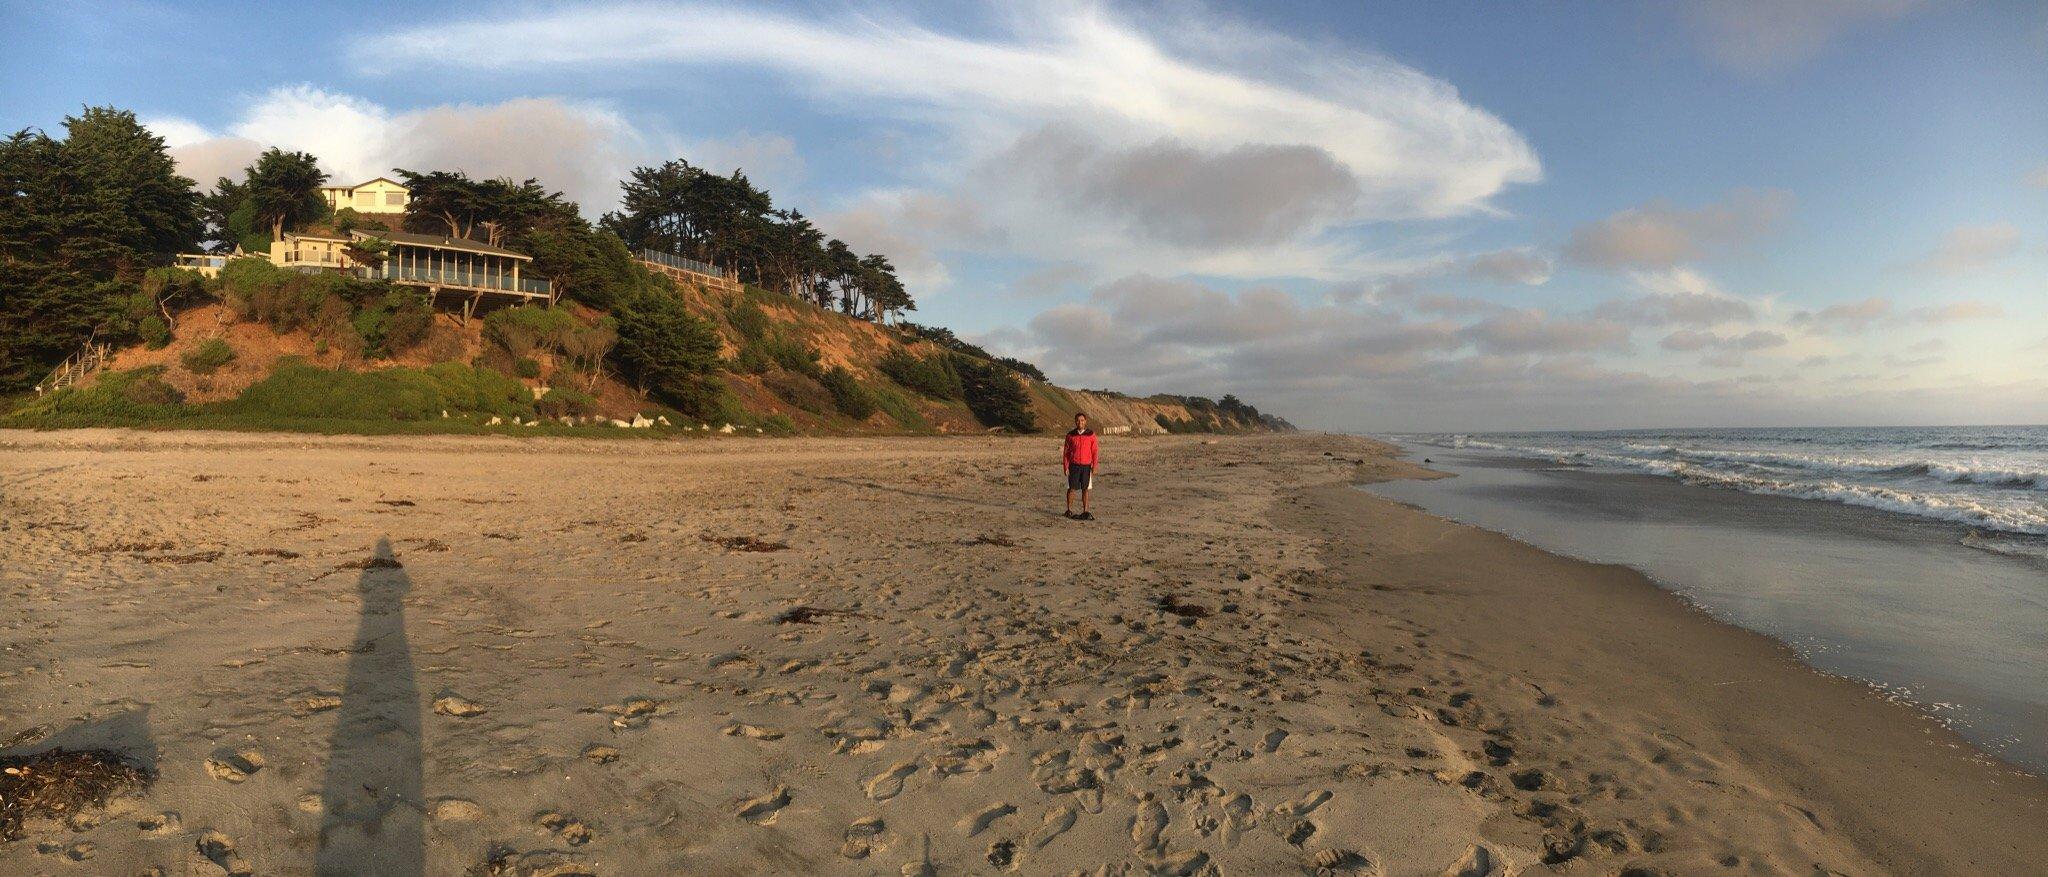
column 1079, row 457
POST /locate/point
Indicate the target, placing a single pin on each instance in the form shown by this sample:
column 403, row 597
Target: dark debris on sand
column 810, row 614
column 59, row 783
column 1171, row 603
column 744, row 543
column 997, row 539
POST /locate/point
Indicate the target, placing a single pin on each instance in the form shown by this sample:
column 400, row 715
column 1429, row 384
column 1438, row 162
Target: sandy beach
column 346, row 655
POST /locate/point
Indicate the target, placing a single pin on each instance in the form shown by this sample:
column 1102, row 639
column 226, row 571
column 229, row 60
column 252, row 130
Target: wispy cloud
column 1073, row 126
column 1764, row 36
column 1970, row 247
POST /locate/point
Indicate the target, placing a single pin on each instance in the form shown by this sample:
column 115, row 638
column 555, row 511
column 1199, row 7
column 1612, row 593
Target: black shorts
column 1080, row 477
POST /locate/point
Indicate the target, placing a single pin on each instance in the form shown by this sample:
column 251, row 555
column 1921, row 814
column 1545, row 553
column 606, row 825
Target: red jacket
column 1079, row 450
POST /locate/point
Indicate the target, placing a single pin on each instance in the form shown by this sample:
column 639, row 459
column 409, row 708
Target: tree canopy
column 81, row 220
column 727, row 222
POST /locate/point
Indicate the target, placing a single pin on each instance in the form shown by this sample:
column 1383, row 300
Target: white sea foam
column 1988, row 479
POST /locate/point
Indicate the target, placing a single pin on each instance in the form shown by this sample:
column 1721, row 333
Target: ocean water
column 1993, row 479
column 1915, row 560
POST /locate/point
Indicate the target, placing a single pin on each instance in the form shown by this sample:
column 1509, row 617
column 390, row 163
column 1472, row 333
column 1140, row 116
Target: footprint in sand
column 1342, row 861
column 234, row 765
column 1478, row 862
column 571, row 830
column 979, row 821
column 220, row 850
column 862, row 838
column 1305, row 804
column 889, row 783
column 456, row 810
column 1273, row 740
column 754, row 732
column 461, row 708
column 1147, row 825
column 1056, row 823
column 764, row 809
column 600, row 753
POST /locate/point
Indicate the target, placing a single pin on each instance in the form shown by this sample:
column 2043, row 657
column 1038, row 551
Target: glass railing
column 458, row 277
column 678, row 262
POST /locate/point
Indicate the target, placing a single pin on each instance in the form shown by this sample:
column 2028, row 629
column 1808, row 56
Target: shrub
column 703, row 398
column 791, row 355
column 564, row 401
column 526, row 367
column 468, row 388
column 899, row 408
column 852, row 399
column 994, row 394
column 148, row 389
column 408, row 320
column 801, row 391
column 208, row 357
column 752, row 360
column 139, row 394
column 154, row 331
column 934, row 376
column 778, row 424
column 523, row 330
column 298, row 390
column 750, row 321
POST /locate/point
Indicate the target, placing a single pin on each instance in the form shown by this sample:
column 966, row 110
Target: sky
column 1407, row 217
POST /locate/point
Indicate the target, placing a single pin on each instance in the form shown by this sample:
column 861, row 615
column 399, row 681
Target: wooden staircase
column 79, row 366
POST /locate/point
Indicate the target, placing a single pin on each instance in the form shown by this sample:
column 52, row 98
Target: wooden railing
column 76, row 368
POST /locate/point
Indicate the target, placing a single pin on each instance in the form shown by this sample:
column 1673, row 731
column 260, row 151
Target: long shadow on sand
column 371, row 796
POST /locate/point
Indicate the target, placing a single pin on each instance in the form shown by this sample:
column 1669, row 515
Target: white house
column 380, row 195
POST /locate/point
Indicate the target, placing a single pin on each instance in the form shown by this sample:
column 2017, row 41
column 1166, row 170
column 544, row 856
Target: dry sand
column 496, row 656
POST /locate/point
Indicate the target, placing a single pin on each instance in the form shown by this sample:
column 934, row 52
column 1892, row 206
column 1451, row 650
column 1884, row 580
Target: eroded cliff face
column 1116, row 414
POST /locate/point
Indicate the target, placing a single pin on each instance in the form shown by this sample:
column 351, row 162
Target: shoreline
column 1247, row 663
column 1879, row 753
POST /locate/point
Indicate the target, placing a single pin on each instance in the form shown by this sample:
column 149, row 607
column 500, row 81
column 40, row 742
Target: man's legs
column 1084, row 500
column 1070, row 501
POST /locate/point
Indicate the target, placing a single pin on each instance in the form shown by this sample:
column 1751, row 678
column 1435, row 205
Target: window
column 394, row 198
column 366, row 199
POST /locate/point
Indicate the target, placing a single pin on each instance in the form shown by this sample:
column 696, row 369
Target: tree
column 503, row 210
column 283, row 189
column 666, row 350
column 81, row 220
column 994, row 394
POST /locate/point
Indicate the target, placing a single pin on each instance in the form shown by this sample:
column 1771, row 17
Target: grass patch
column 208, row 357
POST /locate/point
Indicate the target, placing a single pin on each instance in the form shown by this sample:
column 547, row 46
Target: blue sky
column 1362, row 216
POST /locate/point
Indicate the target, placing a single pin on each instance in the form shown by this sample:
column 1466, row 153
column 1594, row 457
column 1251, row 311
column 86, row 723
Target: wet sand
column 439, row 655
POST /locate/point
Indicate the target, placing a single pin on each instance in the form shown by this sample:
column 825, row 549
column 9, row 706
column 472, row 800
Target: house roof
column 439, row 242
column 367, row 182
column 312, row 235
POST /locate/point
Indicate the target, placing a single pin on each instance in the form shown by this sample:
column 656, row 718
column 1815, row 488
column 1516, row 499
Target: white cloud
column 1969, row 247
column 1762, row 36
column 1853, row 316
column 1954, row 312
column 1158, row 128
column 1521, row 265
column 578, row 148
column 1660, row 235
column 1679, row 295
